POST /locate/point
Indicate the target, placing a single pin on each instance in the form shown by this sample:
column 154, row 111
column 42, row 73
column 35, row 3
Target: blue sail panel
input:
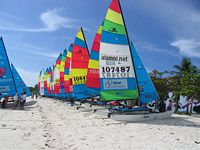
column 20, row 84
column 7, row 84
column 147, row 89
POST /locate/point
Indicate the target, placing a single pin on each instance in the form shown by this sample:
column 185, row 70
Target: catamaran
column 79, row 66
column 10, row 80
column 122, row 73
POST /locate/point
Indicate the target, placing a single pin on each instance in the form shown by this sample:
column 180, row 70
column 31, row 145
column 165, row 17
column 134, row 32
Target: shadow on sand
column 173, row 121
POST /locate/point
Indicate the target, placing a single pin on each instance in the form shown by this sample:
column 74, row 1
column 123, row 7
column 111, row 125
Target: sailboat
column 93, row 82
column 39, row 81
column 122, row 74
column 62, row 70
column 7, row 84
column 57, row 76
column 20, row 84
column 49, row 82
column 67, row 80
column 79, row 66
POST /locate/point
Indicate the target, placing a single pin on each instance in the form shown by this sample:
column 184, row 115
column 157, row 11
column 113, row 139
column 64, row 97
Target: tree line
column 184, row 80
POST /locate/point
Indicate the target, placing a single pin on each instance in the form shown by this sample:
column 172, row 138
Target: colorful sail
column 49, row 81
column 62, row 70
column 93, row 80
column 45, row 81
column 57, row 75
column 67, row 80
column 7, row 84
column 117, row 75
column 20, row 84
column 39, row 79
column 79, row 65
column 52, row 81
column 147, row 89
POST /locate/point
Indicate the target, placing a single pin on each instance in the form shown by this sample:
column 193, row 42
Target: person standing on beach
column 4, row 100
column 22, row 101
column 16, row 101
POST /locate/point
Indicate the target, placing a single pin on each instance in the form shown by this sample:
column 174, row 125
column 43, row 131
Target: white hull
column 102, row 112
column 139, row 118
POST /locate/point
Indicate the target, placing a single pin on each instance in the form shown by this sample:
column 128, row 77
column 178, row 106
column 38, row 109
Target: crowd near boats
column 110, row 80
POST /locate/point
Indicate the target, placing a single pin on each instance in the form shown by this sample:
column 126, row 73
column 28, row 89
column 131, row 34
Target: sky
column 36, row 31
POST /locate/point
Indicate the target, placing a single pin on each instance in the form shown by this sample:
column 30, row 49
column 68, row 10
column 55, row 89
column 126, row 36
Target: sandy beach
column 50, row 124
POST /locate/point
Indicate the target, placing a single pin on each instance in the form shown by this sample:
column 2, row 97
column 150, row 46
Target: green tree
column 182, row 72
column 161, row 84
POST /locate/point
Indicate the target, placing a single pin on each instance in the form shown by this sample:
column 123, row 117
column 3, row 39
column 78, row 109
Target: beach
column 52, row 124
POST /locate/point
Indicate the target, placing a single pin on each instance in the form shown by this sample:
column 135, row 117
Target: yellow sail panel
column 80, row 35
column 114, row 17
column 94, row 64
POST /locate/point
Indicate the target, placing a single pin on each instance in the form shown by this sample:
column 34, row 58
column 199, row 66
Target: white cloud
column 188, row 47
column 29, row 77
column 147, row 46
column 51, row 20
column 47, row 54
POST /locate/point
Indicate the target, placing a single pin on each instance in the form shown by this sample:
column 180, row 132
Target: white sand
column 50, row 124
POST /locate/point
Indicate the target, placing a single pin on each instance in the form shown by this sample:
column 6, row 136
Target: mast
column 85, row 41
column 9, row 64
column 129, row 48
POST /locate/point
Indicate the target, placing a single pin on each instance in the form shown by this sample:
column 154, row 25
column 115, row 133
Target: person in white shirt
column 22, row 101
column 16, row 101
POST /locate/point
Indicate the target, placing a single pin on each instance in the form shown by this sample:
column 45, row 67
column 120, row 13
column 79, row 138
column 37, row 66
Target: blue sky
column 36, row 31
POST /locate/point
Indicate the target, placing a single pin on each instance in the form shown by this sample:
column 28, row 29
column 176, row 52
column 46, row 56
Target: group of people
column 17, row 99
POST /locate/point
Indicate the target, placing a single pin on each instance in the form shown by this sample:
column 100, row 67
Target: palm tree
column 185, row 67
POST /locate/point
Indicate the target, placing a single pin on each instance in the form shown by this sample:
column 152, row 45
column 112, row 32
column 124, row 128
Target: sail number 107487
column 115, row 72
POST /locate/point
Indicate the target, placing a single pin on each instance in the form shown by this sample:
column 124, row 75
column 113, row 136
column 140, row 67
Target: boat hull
column 123, row 117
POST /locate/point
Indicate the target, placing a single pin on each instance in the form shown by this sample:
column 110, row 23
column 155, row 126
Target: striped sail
column 57, row 75
column 93, row 80
column 117, row 75
column 147, row 89
column 20, row 84
column 49, row 81
column 39, row 79
column 79, row 65
column 67, row 80
column 62, row 70
column 7, row 84
column 45, row 82
column 52, row 81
